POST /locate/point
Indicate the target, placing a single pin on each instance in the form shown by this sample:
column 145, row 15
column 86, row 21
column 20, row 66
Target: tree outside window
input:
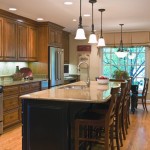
column 134, row 66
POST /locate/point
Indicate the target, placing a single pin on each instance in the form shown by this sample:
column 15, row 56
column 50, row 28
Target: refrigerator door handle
column 56, row 64
column 60, row 66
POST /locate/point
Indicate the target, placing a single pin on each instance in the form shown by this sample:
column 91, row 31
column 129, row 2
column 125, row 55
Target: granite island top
column 94, row 94
column 10, row 83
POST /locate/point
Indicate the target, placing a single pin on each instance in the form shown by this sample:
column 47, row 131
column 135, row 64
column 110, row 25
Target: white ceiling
column 134, row 14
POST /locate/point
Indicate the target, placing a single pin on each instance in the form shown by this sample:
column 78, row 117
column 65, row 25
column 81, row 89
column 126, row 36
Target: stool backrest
column 112, row 106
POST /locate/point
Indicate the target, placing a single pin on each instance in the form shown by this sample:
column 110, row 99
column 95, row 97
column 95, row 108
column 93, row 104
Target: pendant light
column 80, row 34
column 101, row 41
column 92, row 37
column 121, row 53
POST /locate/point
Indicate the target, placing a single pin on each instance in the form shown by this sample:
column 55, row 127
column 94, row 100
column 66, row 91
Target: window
column 134, row 66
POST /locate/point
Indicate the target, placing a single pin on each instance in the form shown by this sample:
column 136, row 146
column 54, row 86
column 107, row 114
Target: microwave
column 66, row 70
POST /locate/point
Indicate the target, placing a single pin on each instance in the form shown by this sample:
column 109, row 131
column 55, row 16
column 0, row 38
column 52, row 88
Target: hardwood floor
column 138, row 137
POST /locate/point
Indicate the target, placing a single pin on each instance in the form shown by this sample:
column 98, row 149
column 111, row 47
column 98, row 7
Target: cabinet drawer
column 11, row 90
column 35, row 86
column 11, row 117
column 24, row 88
column 10, row 102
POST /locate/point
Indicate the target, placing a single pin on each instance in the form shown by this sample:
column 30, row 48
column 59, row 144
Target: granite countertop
column 9, row 83
column 94, row 94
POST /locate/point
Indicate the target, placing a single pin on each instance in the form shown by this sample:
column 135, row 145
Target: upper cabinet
column 65, row 46
column 32, row 43
column 27, row 42
column 55, row 36
column 18, row 39
column 10, row 40
column 22, row 41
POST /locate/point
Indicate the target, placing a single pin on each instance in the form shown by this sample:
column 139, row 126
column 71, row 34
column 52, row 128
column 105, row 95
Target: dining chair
column 143, row 95
column 93, row 127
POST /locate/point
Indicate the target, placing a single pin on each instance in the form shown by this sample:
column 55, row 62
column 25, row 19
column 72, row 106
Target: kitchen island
column 48, row 115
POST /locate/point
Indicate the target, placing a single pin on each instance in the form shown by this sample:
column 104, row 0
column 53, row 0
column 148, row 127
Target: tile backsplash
column 9, row 68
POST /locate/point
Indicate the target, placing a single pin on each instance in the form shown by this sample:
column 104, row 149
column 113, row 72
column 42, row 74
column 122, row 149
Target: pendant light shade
column 101, row 41
column 92, row 37
column 80, row 34
column 121, row 53
column 131, row 55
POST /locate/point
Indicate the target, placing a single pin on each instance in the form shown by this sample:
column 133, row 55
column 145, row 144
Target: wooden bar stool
column 93, row 127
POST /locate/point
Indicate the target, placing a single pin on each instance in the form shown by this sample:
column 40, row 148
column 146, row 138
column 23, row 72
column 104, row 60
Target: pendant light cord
column 121, row 42
column 80, row 18
column 101, row 10
column 101, row 25
column 92, row 21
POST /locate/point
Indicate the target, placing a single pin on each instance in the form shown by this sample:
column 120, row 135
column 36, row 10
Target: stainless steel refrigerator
column 55, row 66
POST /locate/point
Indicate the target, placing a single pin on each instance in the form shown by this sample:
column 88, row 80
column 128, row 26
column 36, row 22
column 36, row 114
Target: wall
column 95, row 56
column 73, row 58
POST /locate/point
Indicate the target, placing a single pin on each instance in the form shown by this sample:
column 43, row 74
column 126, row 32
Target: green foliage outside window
column 134, row 67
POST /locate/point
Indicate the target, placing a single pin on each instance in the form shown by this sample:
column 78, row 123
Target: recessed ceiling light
column 86, row 15
column 40, row 19
column 74, row 20
column 12, row 9
column 19, row 20
column 68, row 2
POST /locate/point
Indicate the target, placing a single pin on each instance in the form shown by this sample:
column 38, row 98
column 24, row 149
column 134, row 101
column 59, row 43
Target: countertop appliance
column 55, row 66
column 1, row 109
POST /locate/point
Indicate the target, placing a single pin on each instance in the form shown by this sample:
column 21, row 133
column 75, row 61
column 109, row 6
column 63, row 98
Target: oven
column 1, row 109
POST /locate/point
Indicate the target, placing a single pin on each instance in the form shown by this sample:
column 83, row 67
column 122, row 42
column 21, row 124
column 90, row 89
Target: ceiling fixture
column 101, row 41
column 68, row 2
column 12, row 9
column 131, row 55
column 39, row 19
column 80, row 34
column 92, row 38
column 121, row 53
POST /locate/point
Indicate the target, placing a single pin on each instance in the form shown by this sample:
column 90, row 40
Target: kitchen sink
column 74, row 87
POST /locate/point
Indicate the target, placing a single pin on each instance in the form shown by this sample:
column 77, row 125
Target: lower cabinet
column 47, row 126
column 12, row 107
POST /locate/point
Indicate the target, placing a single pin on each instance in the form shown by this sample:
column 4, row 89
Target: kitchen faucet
column 88, row 74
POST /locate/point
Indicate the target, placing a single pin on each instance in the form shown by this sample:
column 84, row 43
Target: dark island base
column 49, row 125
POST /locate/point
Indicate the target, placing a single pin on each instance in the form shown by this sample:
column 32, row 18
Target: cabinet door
column 46, row 124
column 52, row 36
column 32, row 42
column 1, row 38
column 22, row 41
column 10, row 40
column 55, row 37
column 11, row 117
column 58, row 37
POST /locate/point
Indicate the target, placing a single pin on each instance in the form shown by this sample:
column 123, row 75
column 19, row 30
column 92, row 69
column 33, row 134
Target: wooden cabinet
column 27, row 43
column 12, row 106
column 10, row 40
column 55, row 37
column 1, row 38
column 18, row 40
column 32, row 43
column 65, row 46
column 22, row 42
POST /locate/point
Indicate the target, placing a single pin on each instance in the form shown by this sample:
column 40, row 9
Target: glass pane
column 108, row 50
column 106, row 71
